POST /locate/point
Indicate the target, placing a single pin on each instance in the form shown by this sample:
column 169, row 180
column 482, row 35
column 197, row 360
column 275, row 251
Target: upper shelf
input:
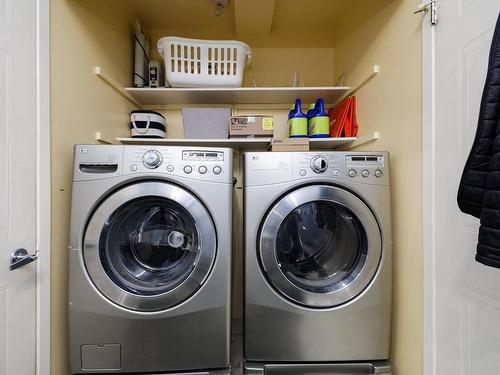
column 240, row 95
column 161, row 96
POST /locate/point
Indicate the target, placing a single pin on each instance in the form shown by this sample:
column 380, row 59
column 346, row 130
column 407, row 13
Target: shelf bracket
column 99, row 72
column 373, row 73
column 363, row 140
column 101, row 139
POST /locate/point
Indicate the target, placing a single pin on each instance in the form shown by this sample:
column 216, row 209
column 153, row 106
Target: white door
column 18, row 108
column 462, row 297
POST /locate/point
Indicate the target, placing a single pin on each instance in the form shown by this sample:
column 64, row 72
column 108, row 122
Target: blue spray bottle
column 319, row 124
column 297, row 121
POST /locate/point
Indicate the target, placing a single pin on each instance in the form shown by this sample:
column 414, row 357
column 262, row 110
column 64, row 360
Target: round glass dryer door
column 149, row 246
column 320, row 246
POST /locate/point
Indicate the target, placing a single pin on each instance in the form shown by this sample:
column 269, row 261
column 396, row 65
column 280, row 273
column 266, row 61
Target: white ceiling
column 294, row 23
column 307, row 14
column 196, row 14
column 180, row 14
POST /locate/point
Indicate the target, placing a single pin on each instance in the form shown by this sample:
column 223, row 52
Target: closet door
column 18, row 110
column 462, row 296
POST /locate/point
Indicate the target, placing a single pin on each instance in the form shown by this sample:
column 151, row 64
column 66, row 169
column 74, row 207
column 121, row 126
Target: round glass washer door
column 149, row 246
column 320, row 246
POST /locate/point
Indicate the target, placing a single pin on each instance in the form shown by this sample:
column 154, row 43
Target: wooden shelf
column 238, row 143
column 234, row 96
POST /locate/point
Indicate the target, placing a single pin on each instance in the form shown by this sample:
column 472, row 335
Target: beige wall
column 85, row 33
column 80, row 105
column 274, row 67
column 391, row 103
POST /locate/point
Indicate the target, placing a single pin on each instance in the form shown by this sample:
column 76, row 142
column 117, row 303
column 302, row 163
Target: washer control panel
column 210, row 156
column 195, row 163
column 367, row 167
column 319, row 164
column 265, row 168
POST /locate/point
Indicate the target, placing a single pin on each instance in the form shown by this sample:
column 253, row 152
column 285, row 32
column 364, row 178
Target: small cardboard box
column 290, row 144
column 251, row 126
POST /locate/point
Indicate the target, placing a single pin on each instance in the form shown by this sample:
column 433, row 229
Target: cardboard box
column 290, row 144
column 251, row 126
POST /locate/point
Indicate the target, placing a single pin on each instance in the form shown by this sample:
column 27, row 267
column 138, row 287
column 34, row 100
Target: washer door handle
column 20, row 257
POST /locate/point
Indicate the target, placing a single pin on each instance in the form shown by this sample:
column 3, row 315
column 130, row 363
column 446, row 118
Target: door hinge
column 429, row 6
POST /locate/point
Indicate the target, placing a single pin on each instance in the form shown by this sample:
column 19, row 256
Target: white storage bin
column 204, row 63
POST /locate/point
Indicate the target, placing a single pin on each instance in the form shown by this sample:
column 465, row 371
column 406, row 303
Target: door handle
column 20, row 257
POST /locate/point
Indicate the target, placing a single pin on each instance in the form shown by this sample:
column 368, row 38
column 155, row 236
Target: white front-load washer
column 150, row 245
column 317, row 263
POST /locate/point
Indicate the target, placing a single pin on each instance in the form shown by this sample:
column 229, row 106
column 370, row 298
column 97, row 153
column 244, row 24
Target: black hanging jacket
column 479, row 190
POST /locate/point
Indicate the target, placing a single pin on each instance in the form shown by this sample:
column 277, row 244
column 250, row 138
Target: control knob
column 152, row 159
column 319, row 164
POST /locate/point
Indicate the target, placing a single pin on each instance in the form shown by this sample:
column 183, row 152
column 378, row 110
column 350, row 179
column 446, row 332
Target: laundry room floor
column 237, row 347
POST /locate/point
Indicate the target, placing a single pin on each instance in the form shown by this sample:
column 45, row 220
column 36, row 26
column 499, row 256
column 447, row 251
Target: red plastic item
column 343, row 121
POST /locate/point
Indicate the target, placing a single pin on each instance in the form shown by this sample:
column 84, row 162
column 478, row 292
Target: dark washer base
column 361, row 368
column 207, row 372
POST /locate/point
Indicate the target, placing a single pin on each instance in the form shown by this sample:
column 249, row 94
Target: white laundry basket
column 204, row 63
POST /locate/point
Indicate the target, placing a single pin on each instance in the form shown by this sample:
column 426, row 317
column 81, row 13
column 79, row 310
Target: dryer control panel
column 362, row 167
column 203, row 164
column 274, row 167
column 104, row 161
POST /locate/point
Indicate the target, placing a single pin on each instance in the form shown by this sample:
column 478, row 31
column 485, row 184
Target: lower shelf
column 238, row 143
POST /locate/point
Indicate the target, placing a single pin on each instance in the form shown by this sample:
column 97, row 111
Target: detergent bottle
column 297, row 121
column 319, row 124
